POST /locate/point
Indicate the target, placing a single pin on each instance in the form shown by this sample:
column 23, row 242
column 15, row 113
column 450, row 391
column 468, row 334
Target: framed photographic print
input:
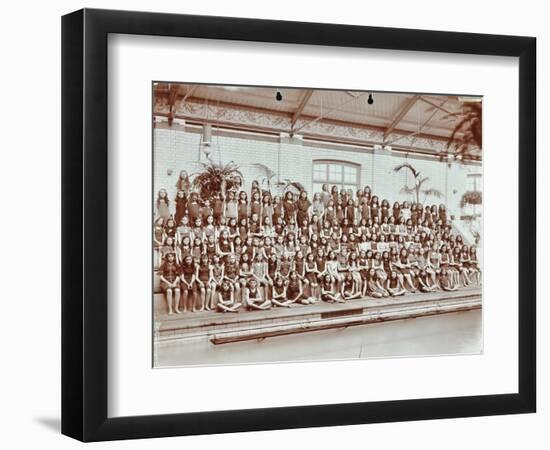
column 274, row 225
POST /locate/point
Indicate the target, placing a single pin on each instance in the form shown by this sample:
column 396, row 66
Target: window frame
column 342, row 183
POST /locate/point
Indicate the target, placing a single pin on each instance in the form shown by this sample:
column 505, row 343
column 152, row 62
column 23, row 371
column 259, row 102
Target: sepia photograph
column 306, row 224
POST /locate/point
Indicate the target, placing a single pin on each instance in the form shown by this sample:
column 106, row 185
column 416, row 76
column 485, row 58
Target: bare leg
column 184, row 295
column 177, row 300
column 213, row 297
column 238, row 293
column 193, row 299
column 401, row 279
column 169, row 301
column 209, row 298
column 202, row 298
column 409, row 281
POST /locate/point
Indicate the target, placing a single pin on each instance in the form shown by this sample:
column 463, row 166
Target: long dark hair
column 165, row 199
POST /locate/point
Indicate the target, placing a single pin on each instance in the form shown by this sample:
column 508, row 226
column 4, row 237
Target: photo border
column 85, row 236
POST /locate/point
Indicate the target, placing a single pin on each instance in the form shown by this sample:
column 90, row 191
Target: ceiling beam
column 326, row 113
column 303, row 102
column 172, row 96
column 436, row 106
column 189, row 93
column 408, row 104
column 419, row 131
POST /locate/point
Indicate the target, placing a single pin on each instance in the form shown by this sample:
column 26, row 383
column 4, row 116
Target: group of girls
column 227, row 253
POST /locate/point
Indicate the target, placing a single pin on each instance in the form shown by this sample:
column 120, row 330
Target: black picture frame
column 84, row 224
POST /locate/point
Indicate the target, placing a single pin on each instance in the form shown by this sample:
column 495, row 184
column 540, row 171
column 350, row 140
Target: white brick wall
column 177, row 149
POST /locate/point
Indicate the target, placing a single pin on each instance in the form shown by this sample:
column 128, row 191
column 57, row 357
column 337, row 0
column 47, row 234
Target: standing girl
column 216, row 279
column 169, row 278
column 317, row 206
column 183, row 183
column 289, row 207
column 242, row 207
column 181, row 206
column 187, row 282
column 163, row 203
column 231, row 206
column 311, row 273
column 267, row 209
column 202, row 277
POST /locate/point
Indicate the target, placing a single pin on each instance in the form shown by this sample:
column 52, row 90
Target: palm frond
column 298, row 186
column 466, row 136
column 293, row 186
column 421, row 181
column 265, row 170
column 432, row 192
column 407, row 190
column 408, row 167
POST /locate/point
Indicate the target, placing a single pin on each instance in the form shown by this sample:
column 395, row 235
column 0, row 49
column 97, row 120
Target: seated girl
column 473, row 266
column 465, row 265
column 332, row 267
column 378, row 266
column 328, row 290
column 253, row 297
column 373, row 287
column 294, row 290
column 349, row 288
column 425, row 282
column 445, row 281
column 226, row 298
column 394, row 285
column 279, row 296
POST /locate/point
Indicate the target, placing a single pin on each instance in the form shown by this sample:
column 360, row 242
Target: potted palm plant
column 465, row 141
column 419, row 184
column 268, row 178
column 215, row 178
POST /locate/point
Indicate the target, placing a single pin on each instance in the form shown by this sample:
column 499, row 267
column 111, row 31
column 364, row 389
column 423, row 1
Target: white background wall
column 31, row 189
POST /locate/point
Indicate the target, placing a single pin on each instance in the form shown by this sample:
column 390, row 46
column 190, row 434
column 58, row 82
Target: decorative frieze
column 279, row 122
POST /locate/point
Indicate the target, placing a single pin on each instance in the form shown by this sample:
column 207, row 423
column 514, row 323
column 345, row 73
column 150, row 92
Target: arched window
column 340, row 173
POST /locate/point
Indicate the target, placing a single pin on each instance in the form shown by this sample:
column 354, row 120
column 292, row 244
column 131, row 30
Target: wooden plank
column 240, row 337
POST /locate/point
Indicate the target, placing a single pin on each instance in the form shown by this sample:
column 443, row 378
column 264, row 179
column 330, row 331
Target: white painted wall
column 177, row 148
